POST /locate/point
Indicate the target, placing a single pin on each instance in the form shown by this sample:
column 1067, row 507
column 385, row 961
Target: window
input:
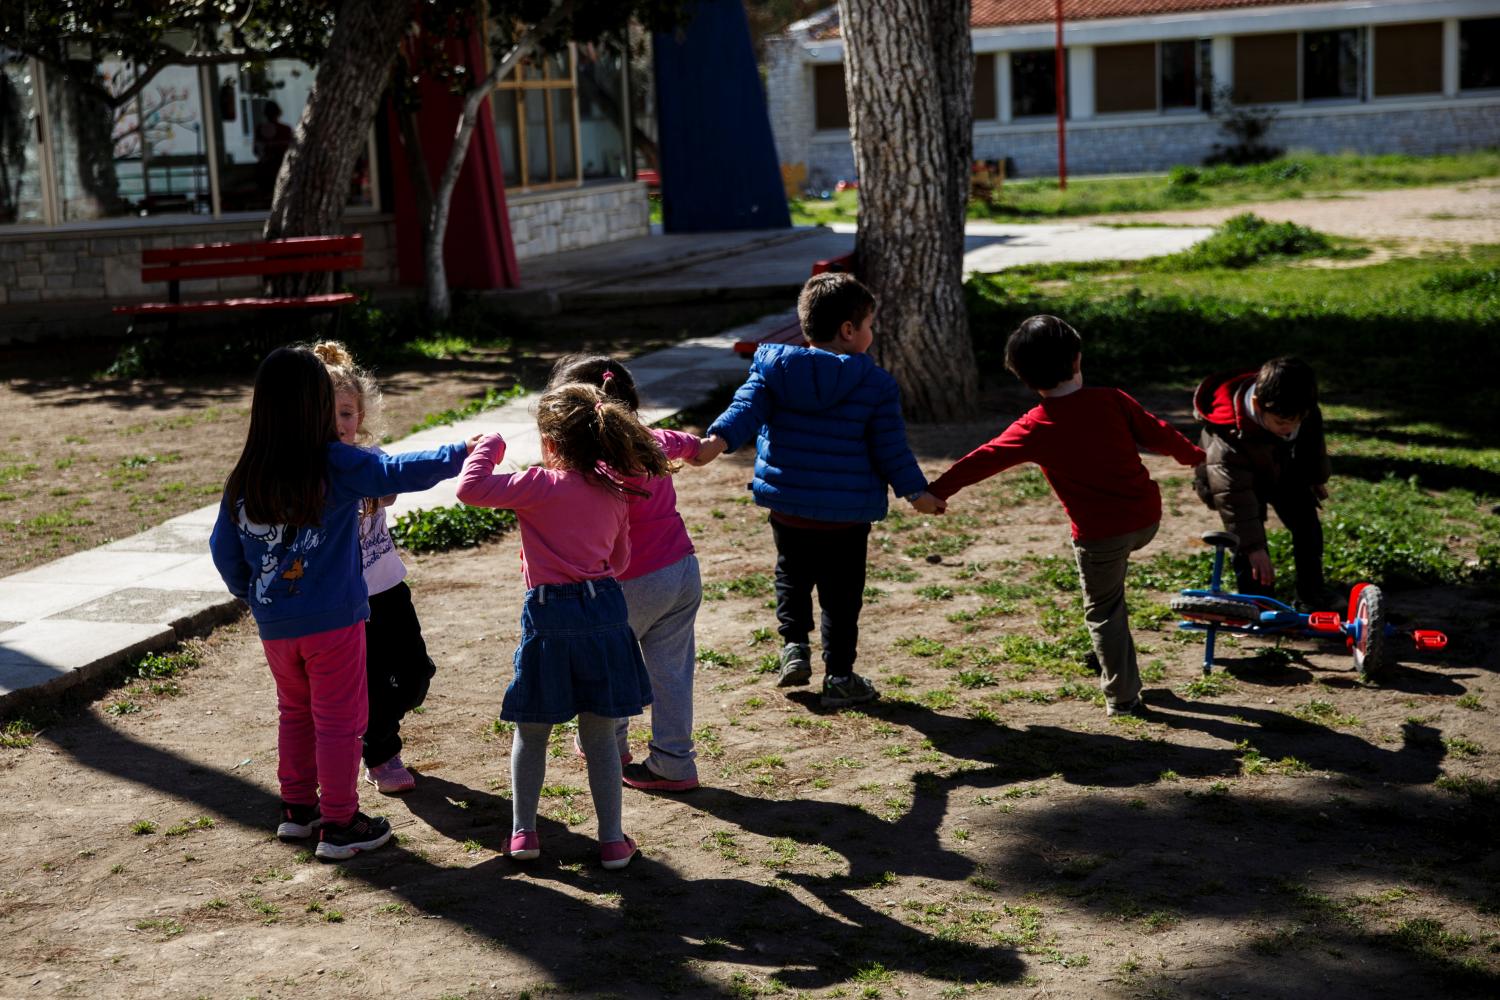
column 258, row 111
column 1479, row 54
column 1033, row 83
column 1265, row 68
column 830, row 100
column 986, row 105
column 603, row 137
column 1330, row 65
column 1125, row 78
column 1179, row 74
column 536, row 122
column 1408, row 59
column 145, row 155
column 20, row 154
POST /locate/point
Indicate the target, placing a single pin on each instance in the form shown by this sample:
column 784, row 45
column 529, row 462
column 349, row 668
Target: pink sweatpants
column 320, row 692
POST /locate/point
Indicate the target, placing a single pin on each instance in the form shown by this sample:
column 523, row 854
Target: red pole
column 1062, row 102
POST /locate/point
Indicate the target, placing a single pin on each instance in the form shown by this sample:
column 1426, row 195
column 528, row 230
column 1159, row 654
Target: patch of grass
column 189, row 825
column 165, row 926
column 440, row 529
column 142, row 827
column 17, row 734
column 492, row 397
column 1324, row 712
column 1471, row 702
column 1459, row 746
column 714, row 658
column 1208, row 685
column 750, row 585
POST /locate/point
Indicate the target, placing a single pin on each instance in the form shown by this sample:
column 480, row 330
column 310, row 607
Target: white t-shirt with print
column 383, row 568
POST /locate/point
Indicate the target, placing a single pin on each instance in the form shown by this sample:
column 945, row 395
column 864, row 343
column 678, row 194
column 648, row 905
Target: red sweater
column 1086, row 443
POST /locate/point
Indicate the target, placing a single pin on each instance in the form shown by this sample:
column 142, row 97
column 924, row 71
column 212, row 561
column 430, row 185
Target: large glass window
column 1330, row 65
column 535, row 117
column 21, row 195
column 1479, row 54
column 603, row 121
column 1179, row 74
column 142, row 154
column 986, row 104
column 258, row 110
column 830, row 99
column 1408, row 59
column 1125, row 78
column 1033, row 83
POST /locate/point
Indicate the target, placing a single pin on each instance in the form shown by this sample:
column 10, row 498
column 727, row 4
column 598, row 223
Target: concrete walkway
column 72, row 619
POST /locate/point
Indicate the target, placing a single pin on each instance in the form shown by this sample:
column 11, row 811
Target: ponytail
column 599, row 436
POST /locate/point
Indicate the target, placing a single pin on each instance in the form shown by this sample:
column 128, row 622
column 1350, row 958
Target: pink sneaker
column 641, row 776
column 625, row 758
column 617, row 853
column 525, row 846
column 391, row 777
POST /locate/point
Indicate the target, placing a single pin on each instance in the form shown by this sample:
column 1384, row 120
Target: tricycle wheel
column 1219, row 610
column 1372, row 652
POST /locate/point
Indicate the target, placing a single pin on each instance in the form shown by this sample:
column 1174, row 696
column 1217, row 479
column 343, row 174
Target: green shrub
column 443, row 528
column 1244, row 240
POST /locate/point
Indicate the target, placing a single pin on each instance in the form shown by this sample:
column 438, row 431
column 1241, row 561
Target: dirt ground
column 1418, row 218
column 982, row 831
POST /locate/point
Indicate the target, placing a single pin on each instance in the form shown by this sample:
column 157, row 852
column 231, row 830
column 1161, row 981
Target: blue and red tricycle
column 1369, row 636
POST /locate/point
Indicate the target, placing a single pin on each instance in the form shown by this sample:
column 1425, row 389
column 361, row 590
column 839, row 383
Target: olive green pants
column 1101, row 569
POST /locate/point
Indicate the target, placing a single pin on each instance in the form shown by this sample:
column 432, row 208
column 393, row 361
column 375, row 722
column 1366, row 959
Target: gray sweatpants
column 1101, row 569
column 663, row 606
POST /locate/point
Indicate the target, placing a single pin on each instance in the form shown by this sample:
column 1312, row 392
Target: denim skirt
column 577, row 654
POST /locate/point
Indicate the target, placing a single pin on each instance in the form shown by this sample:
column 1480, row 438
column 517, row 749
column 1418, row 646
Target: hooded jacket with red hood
column 1247, row 463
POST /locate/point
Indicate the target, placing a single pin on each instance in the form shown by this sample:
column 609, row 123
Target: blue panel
column 718, row 161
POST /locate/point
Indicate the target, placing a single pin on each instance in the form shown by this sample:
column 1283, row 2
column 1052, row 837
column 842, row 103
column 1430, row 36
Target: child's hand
column 709, row 448
column 1261, row 568
column 929, row 504
column 386, row 501
column 1320, row 491
column 473, row 442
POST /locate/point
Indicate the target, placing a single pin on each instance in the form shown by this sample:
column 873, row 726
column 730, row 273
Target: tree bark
column 909, row 70
column 313, row 184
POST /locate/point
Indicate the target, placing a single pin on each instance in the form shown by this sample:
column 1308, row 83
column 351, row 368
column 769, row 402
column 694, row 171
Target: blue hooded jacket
column 829, row 434
column 300, row 581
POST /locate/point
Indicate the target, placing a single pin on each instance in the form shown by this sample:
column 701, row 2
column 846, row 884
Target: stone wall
column 103, row 264
column 553, row 221
column 1161, row 142
column 790, row 107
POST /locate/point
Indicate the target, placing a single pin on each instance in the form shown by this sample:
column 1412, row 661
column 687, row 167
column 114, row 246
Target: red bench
column 791, row 333
column 295, row 255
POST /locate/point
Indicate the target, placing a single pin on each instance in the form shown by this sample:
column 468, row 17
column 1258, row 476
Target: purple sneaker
column 641, row 776
column 525, row 846
column 391, row 777
column 617, row 853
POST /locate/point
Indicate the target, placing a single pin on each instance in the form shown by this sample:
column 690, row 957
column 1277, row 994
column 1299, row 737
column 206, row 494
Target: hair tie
column 607, row 376
column 599, row 406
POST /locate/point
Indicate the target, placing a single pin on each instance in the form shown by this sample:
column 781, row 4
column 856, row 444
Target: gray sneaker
column 1136, row 708
column 796, row 665
column 846, row 691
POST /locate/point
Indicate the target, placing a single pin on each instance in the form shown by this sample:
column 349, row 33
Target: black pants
column 398, row 670
column 833, row 561
column 1298, row 509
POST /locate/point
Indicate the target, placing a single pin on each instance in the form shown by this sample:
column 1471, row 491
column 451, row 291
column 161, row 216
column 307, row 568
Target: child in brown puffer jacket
column 1263, row 433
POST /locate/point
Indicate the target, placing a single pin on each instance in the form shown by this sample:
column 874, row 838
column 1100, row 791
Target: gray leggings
column 528, row 769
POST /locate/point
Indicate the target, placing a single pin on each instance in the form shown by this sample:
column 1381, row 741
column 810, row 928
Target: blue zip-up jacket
column 829, row 434
column 301, row 581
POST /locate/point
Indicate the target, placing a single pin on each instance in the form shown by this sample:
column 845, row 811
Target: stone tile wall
column 554, row 221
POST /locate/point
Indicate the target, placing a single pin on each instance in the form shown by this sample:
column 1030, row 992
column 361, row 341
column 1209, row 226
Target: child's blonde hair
column 349, row 377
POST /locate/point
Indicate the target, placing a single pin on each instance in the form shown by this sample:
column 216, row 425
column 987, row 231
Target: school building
column 1141, row 76
column 192, row 157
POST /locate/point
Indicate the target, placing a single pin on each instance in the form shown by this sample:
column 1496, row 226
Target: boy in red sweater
column 1085, row 441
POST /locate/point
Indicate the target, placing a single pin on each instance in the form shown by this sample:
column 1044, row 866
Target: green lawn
column 1299, row 176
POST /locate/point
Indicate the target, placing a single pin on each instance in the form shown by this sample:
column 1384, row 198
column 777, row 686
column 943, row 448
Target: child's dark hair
column 597, row 370
column 1041, row 351
column 830, row 300
column 596, row 434
column 282, row 469
column 1287, row 387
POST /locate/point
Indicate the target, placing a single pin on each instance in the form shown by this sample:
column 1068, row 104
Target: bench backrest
column 294, row 255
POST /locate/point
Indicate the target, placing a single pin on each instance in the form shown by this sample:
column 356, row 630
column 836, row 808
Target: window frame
column 517, row 86
column 209, row 116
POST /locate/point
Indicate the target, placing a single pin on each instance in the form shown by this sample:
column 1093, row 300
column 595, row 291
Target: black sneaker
column 1136, row 708
column 841, row 692
column 362, row 833
column 298, row 822
column 796, row 665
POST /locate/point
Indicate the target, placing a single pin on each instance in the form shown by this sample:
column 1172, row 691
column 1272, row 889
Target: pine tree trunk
column 313, row 184
column 909, row 70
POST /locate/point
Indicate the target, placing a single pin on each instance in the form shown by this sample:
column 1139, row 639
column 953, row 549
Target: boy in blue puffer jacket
column 829, row 438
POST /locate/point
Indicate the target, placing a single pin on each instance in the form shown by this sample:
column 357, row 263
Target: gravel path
column 1420, row 218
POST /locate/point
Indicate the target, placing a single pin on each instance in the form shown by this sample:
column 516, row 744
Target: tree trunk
column 909, row 68
column 313, row 184
column 439, row 301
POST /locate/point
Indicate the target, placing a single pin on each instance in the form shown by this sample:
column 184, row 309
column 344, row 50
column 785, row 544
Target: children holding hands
column 1085, row 440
